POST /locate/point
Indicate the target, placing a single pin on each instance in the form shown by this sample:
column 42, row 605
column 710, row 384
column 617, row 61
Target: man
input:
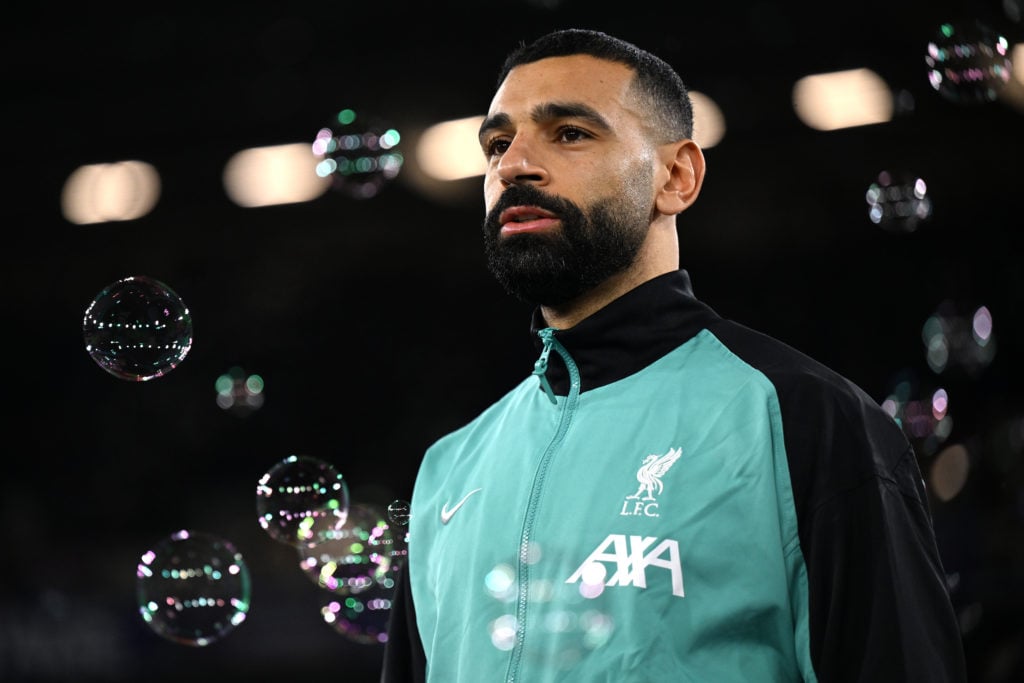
column 671, row 496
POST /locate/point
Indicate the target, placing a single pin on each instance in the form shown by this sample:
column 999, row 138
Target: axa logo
column 626, row 559
column 644, row 501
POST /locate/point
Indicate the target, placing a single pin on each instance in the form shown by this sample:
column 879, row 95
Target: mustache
column 527, row 195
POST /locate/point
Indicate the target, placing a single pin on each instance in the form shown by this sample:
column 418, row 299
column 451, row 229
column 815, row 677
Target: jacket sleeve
column 404, row 658
column 879, row 604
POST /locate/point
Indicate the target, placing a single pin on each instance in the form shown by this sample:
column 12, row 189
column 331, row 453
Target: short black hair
column 655, row 82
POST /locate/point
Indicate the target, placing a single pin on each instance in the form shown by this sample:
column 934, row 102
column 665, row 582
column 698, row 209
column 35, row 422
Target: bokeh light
column 959, row 341
column 238, row 392
column 592, row 580
column 101, row 193
column 949, row 471
column 842, row 99
column 898, row 201
column 268, row 176
column 923, row 413
column 137, row 328
column 503, row 632
column 500, row 582
column 708, row 120
column 193, row 588
column 968, row 63
column 450, row 150
column 353, row 557
column 571, row 623
column 301, row 498
column 359, row 154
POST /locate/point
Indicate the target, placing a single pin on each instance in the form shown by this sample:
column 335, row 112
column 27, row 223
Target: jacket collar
column 629, row 333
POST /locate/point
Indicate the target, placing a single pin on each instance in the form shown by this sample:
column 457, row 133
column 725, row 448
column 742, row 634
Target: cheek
column 492, row 191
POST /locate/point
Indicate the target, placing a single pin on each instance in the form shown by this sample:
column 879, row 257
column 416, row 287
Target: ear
column 684, row 162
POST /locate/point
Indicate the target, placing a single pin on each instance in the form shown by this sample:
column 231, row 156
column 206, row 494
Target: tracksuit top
column 672, row 496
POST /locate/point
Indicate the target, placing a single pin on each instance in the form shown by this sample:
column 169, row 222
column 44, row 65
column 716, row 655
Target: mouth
column 519, row 219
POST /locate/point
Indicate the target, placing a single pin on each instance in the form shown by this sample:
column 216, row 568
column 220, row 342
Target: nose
column 519, row 165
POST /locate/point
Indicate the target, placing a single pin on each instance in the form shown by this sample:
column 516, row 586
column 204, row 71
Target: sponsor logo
column 644, row 501
column 629, row 557
column 446, row 513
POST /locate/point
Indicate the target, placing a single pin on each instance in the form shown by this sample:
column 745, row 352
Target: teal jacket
column 671, row 496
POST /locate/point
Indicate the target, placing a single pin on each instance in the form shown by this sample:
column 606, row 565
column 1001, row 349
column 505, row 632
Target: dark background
column 375, row 323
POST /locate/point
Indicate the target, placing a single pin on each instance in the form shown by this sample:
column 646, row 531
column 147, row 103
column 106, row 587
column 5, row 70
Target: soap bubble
column 363, row 617
column 300, row 498
column 193, row 588
column 352, row 558
column 358, row 154
column 968, row 63
column 398, row 512
column 365, row 580
column 137, row 328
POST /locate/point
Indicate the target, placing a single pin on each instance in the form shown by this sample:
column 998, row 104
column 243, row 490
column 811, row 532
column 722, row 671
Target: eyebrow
column 549, row 111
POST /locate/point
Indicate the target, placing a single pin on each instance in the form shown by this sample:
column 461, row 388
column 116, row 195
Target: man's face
column 568, row 190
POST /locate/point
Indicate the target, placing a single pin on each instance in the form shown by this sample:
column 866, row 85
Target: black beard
column 554, row 268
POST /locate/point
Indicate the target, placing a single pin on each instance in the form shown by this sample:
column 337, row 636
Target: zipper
column 540, row 368
column 568, row 409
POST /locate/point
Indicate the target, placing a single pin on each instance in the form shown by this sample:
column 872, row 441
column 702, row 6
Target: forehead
column 599, row 83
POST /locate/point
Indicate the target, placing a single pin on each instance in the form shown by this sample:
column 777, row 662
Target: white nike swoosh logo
column 446, row 514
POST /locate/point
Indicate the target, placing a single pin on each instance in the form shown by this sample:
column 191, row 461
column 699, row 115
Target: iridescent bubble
column 193, row 588
column 898, row 201
column 362, row 616
column 301, row 498
column 137, row 328
column 968, row 63
column 352, row 558
column 359, row 154
column 398, row 512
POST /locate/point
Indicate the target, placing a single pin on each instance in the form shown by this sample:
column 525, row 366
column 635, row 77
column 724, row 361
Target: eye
column 572, row 134
column 495, row 146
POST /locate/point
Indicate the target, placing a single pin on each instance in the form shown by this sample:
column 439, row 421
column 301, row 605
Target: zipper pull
column 540, row 368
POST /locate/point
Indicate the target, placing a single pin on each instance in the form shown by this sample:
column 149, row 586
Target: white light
column 266, row 176
column 99, row 193
column 450, row 150
column 708, row 120
column 842, row 99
